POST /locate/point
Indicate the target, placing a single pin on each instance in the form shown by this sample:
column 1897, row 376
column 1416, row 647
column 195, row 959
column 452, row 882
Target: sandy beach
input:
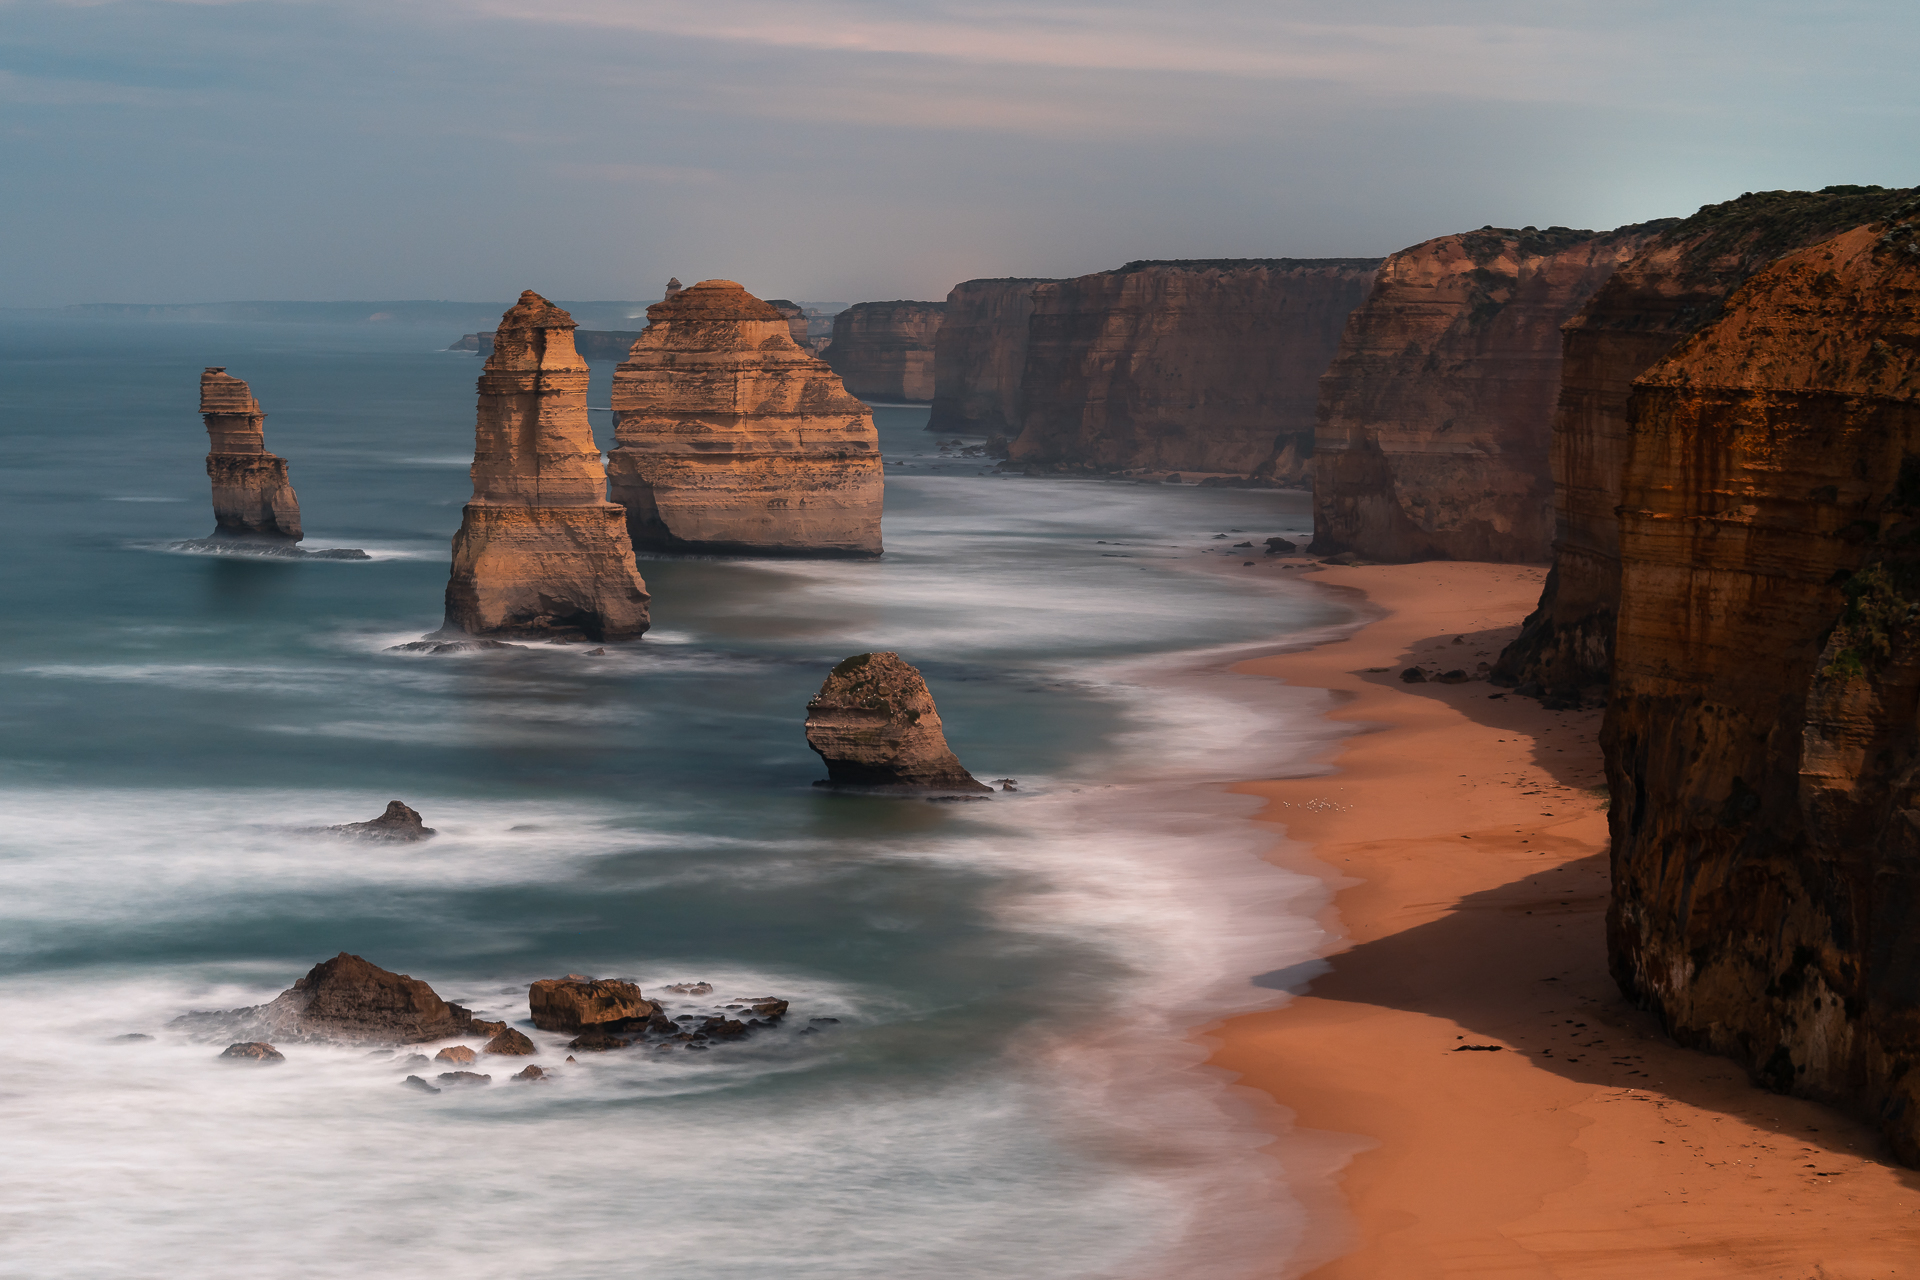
column 1518, row 1118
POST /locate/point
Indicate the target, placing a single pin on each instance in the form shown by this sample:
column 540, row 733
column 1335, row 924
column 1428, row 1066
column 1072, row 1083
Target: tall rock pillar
column 252, row 497
column 541, row 552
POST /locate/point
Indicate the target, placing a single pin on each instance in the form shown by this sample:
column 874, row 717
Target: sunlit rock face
column 875, row 726
column 732, row 438
column 1435, row 419
column 1671, row 289
column 252, row 496
column 541, row 552
column 979, row 356
column 884, row 350
column 1763, row 734
column 1184, row 366
column 796, row 319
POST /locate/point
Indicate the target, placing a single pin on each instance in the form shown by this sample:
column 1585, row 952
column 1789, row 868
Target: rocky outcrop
column 540, row 552
column 576, row 1003
column 884, row 350
column 673, row 286
column 253, row 1051
column 731, row 438
column 1435, row 419
column 510, row 1043
column 1763, row 734
column 979, row 357
column 875, row 725
column 397, row 825
column 796, row 321
column 343, row 1000
column 1185, row 366
column 252, row 497
column 1674, row 287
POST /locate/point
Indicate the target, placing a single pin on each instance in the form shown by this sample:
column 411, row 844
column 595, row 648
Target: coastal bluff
column 1435, row 420
column 1762, row 739
column 253, row 497
column 729, row 437
column 540, row 553
column 1674, row 287
column 1209, row 365
column 979, row 357
column 885, row 350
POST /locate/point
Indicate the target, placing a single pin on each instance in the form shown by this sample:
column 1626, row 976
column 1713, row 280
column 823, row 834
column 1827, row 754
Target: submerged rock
column 398, row 825
column 463, row 1079
column 531, row 1073
column 874, row 724
column 268, row 550
column 574, row 1003
column 597, row 1042
column 451, row 646
column 344, row 1000
column 253, row 1051
column 415, row 1082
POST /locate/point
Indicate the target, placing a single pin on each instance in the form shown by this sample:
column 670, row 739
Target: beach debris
column 509, row 1042
column 455, row 1053
column 253, row 1051
column 397, row 825
column 415, row 1082
column 874, row 724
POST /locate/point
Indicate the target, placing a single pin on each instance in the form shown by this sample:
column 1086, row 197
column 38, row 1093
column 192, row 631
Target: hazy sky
column 860, row 149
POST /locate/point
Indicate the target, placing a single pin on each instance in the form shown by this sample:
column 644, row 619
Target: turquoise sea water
column 1008, row 1090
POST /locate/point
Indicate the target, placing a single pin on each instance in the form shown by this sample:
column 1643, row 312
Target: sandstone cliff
column 252, row 496
column 1435, row 419
column 732, row 438
column 979, row 356
column 1185, row 366
column 796, row 319
column 874, row 724
column 884, row 350
column 1671, row 289
column 541, row 552
column 1763, row 735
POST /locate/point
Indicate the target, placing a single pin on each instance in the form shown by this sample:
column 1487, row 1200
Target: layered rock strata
column 875, row 725
column 1435, row 420
column 731, row 438
column 252, row 496
column 541, row 552
column 1184, row 366
column 576, row 1003
column 346, row 1000
column 884, row 350
column 1673, row 288
column 979, row 357
column 1763, row 734
column 796, row 320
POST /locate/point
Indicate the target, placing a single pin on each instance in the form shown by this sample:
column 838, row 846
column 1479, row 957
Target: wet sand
column 1518, row 1118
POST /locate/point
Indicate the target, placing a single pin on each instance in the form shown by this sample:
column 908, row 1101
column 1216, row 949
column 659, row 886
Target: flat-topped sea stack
column 884, row 350
column 541, row 552
column 875, row 725
column 1436, row 419
column 252, row 497
column 732, row 438
column 1209, row 366
column 979, row 357
column 1674, row 287
column 1763, row 734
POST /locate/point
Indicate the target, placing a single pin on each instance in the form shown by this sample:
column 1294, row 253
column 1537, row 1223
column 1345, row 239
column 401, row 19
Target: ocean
column 1011, row 1087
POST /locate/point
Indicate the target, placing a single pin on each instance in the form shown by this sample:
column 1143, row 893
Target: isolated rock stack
column 541, row 552
column 732, row 438
column 252, row 496
column 874, row 724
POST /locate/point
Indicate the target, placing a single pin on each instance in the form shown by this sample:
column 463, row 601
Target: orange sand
column 1469, row 855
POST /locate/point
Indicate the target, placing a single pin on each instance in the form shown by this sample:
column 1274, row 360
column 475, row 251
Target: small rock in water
column 254, row 1051
column 131, row 1037
column 451, row 646
column 597, row 1042
column 1453, row 677
column 530, row 1073
column 691, row 988
column 1172, row 479
column 398, row 825
column 414, row 1060
column 596, row 653
column 461, row 1079
column 509, row 1041
column 455, row 1053
column 570, row 1058
column 577, row 1002
column 1280, row 547
column 1414, row 675
column 415, row 1082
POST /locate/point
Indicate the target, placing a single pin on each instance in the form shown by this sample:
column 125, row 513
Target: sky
column 852, row 150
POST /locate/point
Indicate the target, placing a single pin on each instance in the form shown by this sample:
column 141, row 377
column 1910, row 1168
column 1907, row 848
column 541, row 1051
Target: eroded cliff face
column 1675, row 286
column 541, row 552
column 796, row 319
column 979, row 355
column 1763, row 735
column 732, row 438
column 252, row 496
column 1184, row 366
column 1435, row 419
column 884, row 350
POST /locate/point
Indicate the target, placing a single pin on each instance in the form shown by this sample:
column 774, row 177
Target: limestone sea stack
column 1763, row 735
column 884, row 350
column 732, row 438
column 1674, row 287
column 979, row 356
column 875, row 725
column 252, row 496
column 1209, row 366
column 541, row 552
column 1435, row 420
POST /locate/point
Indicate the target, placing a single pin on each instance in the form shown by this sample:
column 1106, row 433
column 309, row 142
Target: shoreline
column 1457, row 1072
